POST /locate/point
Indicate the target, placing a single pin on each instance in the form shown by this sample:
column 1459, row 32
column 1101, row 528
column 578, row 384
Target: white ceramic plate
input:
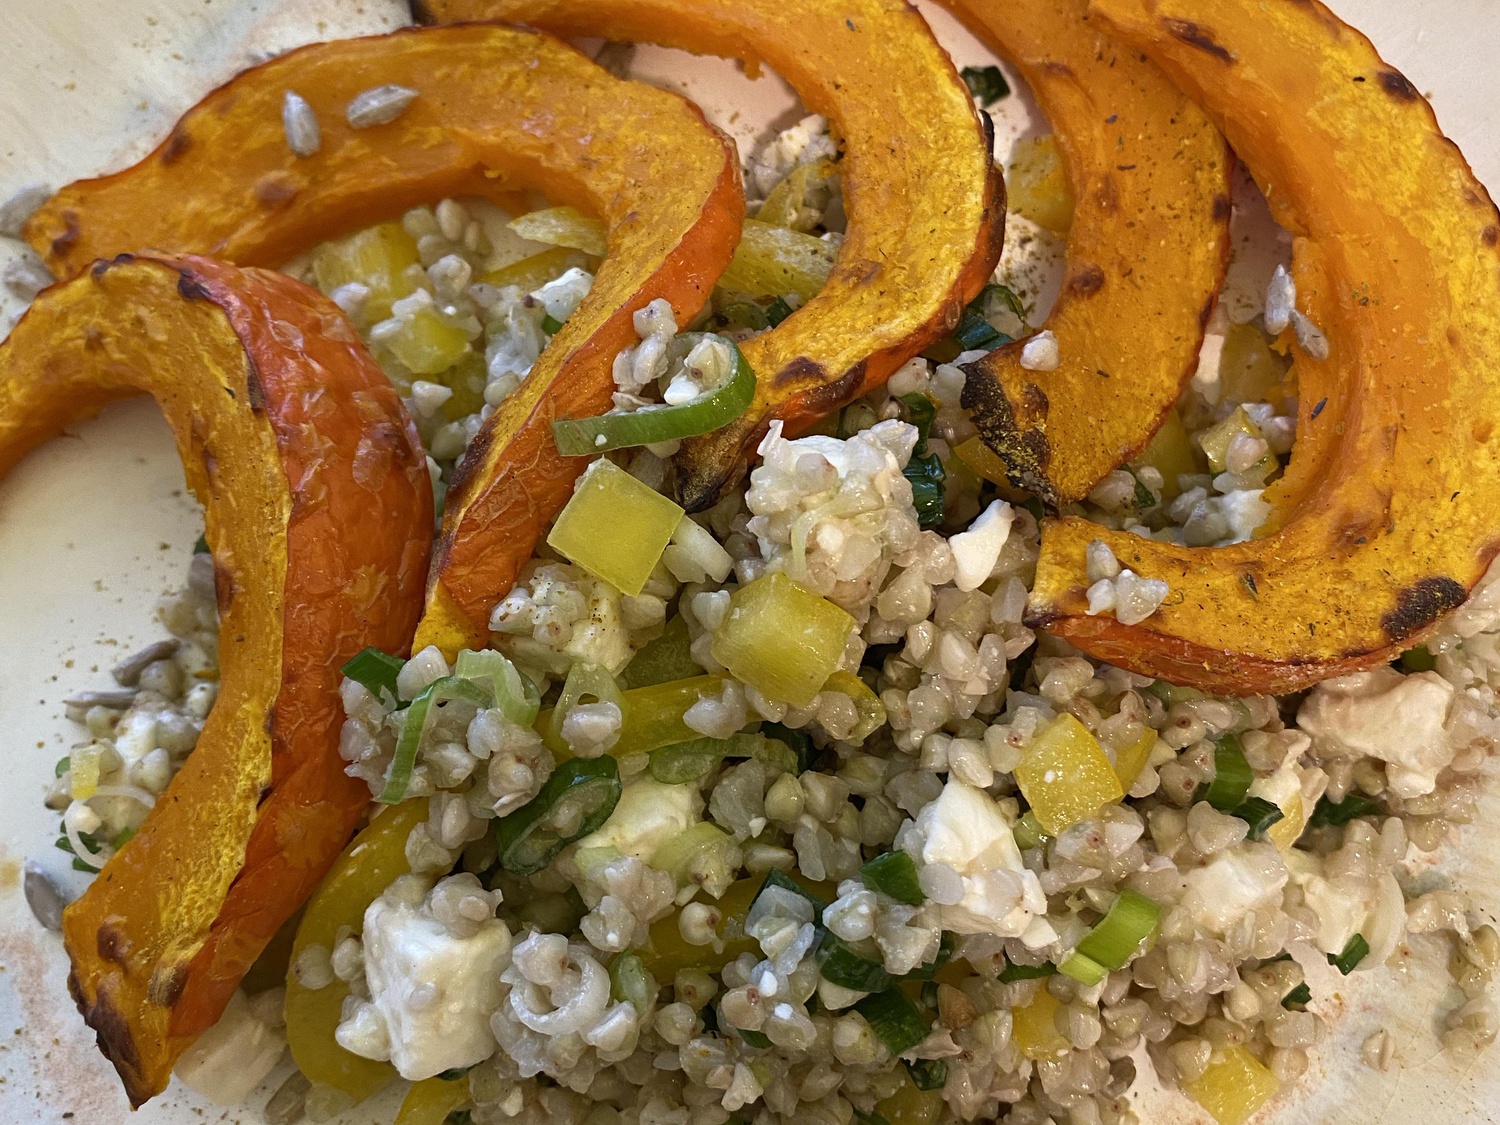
column 95, row 526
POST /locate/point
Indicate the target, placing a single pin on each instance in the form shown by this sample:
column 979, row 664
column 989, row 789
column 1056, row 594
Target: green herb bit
column 1419, row 659
column 777, row 311
column 974, row 332
column 894, row 1019
column 841, row 964
column 1354, row 952
column 1144, row 497
column 551, row 325
column 986, row 84
column 1336, row 814
column 64, row 764
column 1297, row 998
column 1232, row 776
column 576, row 800
column 757, row 1039
column 663, row 660
column 894, row 874
column 920, row 411
column 1259, row 814
column 375, row 670
column 200, row 546
column 1013, row 972
column 926, row 476
column 928, row 1074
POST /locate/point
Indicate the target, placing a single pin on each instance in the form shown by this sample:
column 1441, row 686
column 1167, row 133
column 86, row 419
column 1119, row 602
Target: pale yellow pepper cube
column 1065, row 775
column 1234, row 1086
column 615, row 527
column 782, row 639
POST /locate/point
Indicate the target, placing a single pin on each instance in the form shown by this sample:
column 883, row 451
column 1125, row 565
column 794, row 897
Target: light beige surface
column 94, row 527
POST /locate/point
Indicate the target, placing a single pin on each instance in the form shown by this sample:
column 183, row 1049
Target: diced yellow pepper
column 1130, row 761
column 773, row 262
column 667, row 953
column 1249, row 371
column 782, row 639
column 652, row 717
column 430, row 1101
column 370, row 864
column 909, row 1105
column 702, row 854
column 1037, row 184
column 427, row 344
column 615, row 527
column 563, row 226
column 1034, row 1029
column 1215, row 440
column 797, row 202
column 1172, row 454
column 1234, row 1086
column 535, row 271
column 83, row 772
column 1066, row 776
column 983, row 460
column 871, row 710
column 1285, row 832
column 378, row 257
column 466, row 380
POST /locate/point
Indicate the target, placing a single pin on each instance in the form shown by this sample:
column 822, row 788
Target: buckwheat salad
column 779, row 812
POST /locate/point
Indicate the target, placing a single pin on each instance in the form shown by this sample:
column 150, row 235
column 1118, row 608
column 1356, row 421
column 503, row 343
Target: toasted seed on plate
column 303, row 136
column 127, row 673
column 378, row 105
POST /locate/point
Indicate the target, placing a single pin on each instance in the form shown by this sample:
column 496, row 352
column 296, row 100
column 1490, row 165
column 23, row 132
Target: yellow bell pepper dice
column 1035, row 1030
column 378, row 258
column 430, row 1101
column 1234, row 1086
column 427, row 344
column 1130, row 761
column 782, row 639
column 567, row 227
column 375, row 859
column 1038, row 183
column 615, row 527
column 1065, row 775
column 911, row 1106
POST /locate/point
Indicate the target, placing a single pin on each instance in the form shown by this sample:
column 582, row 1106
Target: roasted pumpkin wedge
column 497, row 109
column 1146, row 253
column 925, row 205
column 1398, row 518
column 319, row 513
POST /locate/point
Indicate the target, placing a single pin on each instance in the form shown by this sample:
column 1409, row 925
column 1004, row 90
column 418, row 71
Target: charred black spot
column 1087, row 281
column 64, row 242
column 1398, row 86
column 801, row 370
column 112, row 943
column 255, row 388
column 1195, row 36
column 1021, row 442
column 189, row 288
column 1222, row 208
column 1419, row 605
column 1491, row 236
column 177, row 144
column 116, row 1041
column 420, row 13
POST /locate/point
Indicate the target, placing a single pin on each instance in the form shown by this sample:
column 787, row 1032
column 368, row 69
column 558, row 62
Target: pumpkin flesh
column 283, row 445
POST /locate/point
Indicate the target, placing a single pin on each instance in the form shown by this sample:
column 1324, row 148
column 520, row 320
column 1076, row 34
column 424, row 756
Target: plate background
column 96, row 525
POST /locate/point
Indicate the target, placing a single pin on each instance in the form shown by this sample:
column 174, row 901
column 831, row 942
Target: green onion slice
column 200, row 546
column 776, row 878
column 583, row 437
column 1113, row 942
column 585, row 683
column 576, row 800
column 427, row 708
column 64, row 764
column 1336, row 814
column 630, row 982
column 843, row 964
column 514, row 694
column 871, row 1118
column 757, row 1039
column 1232, row 776
column 895, row 1020
column 777, row 311
column 1028, row 832
column 1355, row 952
column 551, row 325
column 986, row 84
column 926, row 971
column 1297, row 997
column 1259, row 814
column 974, row 332
column 375, row 670
column 669, row 657
column 689, row 761
column 894, row 874
column 798, row 741
column 1013, row 972
column 928, row 1074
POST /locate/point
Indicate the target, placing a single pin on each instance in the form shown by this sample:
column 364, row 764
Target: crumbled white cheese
column 1349, row 904
column 564, row 293
column 433, row 992
column 964, row 833
column 976, row 550
column 649, row 813
column 1398, row 719
column 233, row 1057
column 1237, row 881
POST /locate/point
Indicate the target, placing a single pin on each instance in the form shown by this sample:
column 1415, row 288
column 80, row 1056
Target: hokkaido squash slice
column 1399, row 519
column 497, row 109
column 925, row 205
column 1145, row 259
column 319, row 515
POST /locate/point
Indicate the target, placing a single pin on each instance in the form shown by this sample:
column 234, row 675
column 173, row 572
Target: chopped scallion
column 1232, row 776
column 1144, row 497
column 1354, row 952
column 779, row 879
column 843, row 965
column 375, row 670
column 514, row 693
column 577, row 799
column 1084, row 969
column 584, row 437
column 777, row 311
column 896, row 1021
column 869, row 1119
column 551, row 325
column 1259, row 814
column 630, row 982
column 757, row 1039
column 425, row 710
column 894, row 874
column 586, row 683
column 200, row 547
column 1419, row 659
column 1297, row 997
column 1028, row 831
column 63, row 765
column 1110, row 944
column 1336, row 814
column 928, row 1074
column 926, row 476
column 986, row 84
column 799, row 741
column 974, row 332
column 920, row 411
column 1013, row 972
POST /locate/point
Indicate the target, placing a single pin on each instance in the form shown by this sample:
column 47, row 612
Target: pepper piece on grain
column 925, row 204
column 607, row 147
column 1385, row 518
column 319, row 511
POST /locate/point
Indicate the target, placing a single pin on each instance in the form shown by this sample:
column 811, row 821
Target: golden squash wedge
column 1392, row 510
column 925, row 205
column 497, row 109
column 319, row 515
column 1146, row 251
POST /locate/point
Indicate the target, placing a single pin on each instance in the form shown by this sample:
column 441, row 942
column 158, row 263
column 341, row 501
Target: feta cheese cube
column 234, row 1056
column 649, row 813
column 1398, row 719
column 1237, row 881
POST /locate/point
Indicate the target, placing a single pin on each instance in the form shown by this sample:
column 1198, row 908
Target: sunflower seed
column 378, row 105
column 303, row 136
column 1310, row 336
column 1281, row 299
column 45, row 897
column 127, row 673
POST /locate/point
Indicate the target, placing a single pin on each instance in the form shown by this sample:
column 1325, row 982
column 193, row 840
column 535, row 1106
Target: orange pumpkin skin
column 319, row 512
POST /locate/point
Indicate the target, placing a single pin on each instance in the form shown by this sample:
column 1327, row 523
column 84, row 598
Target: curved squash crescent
column 498, row 108
column 1389, row 513
column 925, row 204
column 319, row 513
column 1145, row 258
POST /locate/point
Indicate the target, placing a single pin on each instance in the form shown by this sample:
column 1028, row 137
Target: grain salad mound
column 808, row 825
